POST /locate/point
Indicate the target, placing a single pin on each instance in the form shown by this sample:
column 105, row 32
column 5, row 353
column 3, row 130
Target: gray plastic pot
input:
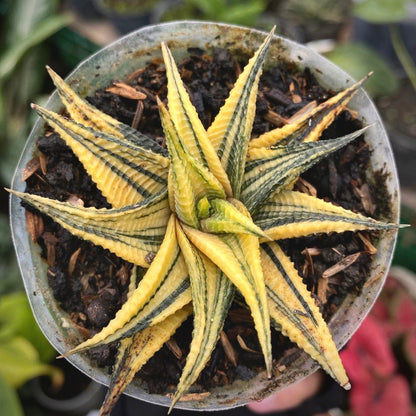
column 118, row 60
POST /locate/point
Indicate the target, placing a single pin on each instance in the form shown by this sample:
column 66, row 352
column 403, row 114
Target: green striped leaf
column 238, row 256
column 124, row 172
column 191, row 180
column 311, row 126
column 122, row 353
column 290, row 214
column 270, row 170
column 212, row 293
column 188, row 124
column 120, row 377
column 173, row 293
column 134, row 352
column 294, row 312
column 155, row 275
column 226, row 218
column 87, row 115
column 182, row 197
column 230, row 132
column 165, row 311
column 132, row 232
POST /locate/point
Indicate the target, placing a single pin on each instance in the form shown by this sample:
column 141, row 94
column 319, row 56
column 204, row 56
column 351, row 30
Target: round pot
column 118, row 60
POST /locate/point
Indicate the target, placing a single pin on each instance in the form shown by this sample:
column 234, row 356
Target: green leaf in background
column 209, row 7
column 243, row 12
column 358, row 60
column 10, row 276
column 405, row 58
column 381, row 11
column 23, row 15
column 13, row 136
column 16, row 319
column 44, row 29
column 6, row 246
column 71, row 47
column 19, row 362
column 10, row 404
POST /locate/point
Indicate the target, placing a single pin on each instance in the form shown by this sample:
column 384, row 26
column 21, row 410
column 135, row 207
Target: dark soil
column 90, row 283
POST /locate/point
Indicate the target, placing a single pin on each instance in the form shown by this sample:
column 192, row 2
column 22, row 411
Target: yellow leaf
column 238, row 256
column 294, row 311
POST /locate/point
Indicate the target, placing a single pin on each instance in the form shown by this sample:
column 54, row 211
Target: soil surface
column 91, row 283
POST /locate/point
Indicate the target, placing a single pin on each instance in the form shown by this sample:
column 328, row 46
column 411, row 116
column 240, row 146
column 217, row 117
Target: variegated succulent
column 211, row 209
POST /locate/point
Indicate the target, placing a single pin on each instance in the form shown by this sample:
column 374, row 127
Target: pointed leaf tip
column 271, row 170
column 189, row 127
column 230, row 133
column 212, row 293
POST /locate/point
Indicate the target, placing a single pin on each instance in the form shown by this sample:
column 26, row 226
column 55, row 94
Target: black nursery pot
column 117, row 61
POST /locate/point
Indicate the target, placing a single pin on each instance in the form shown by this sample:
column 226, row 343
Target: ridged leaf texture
column 289, row 214
column 162, row 265
column 238, row 256
column 311, row 125
column 85, row 114
column 131, row 232
column 270, row 170
column 191, row 179
column 226, row 218
column 188, row 125
column 208, row 208
column 230, row 132
column 294, row 312
column 135, row 351
column 124, row 172
column 212, row 293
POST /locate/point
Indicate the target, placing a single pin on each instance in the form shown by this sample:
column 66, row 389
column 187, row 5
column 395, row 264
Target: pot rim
column 84, row 78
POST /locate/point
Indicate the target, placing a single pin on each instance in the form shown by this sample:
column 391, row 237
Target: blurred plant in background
column 381, row 356
column 355, row 57
column 24, row 351
column 242, row 12
column 305, row 21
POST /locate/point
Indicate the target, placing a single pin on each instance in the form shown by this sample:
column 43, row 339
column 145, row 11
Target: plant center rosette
column 212, row 208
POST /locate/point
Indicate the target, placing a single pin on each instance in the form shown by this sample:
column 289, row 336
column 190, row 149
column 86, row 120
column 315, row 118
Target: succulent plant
column 203, row 218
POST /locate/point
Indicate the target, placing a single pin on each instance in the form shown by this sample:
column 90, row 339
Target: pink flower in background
column 368, row 355
column 390, row 397
column 377, row 387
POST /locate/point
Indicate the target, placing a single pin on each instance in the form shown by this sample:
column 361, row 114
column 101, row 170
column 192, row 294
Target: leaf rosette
column 212, row 209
